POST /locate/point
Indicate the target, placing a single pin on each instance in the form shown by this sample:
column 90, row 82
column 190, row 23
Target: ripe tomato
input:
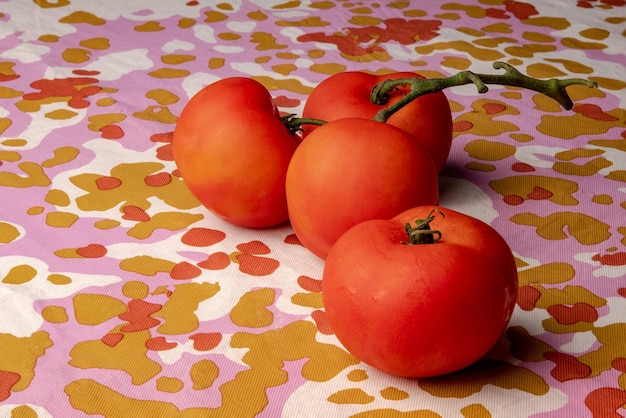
column 347, row 94
column 351, row 170
column 232, row 151
column 419, row 310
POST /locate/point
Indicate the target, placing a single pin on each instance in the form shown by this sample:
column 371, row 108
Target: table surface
column 121, row 296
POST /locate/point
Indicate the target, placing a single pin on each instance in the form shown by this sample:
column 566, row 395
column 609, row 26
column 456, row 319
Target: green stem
column 294, row 124
column 421, row 233
column 553, row 88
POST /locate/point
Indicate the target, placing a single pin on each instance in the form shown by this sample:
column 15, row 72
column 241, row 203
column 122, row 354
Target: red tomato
column 351, row 170
column 232, row 151
column 347, row 94
column 419, row 310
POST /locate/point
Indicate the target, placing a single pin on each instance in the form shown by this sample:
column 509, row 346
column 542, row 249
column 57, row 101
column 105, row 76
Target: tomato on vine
column 428, row 118
column 351, row 170
column 425, row 293
column 232, row 150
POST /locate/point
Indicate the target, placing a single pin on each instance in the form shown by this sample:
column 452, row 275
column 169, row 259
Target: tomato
column 351, row 170
column 233, row 151
column 347, row 94
column 419, row 310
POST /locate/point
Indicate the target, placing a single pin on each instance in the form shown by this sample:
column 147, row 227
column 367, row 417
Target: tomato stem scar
column 553, row 88
column 421, row 233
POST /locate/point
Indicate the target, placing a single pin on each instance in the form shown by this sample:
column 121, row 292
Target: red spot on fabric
column 567, row 367
column 527, row 296
column 112, row 132
column 192, row 3
column 462, row 126
column 158, row 179
column 594, row 112
column 513, row 199
column 206, row 341
column 496, row 13
column 251, row 264
column 604, row 402
column 159, row 344
column 108, row 183
column 112, row 339
column 568, row 315
column 185, row 271
column 165, row 153
column 284, row 101
column 616, row 3
column 584, row 5
column 215, row 261
column 310, row 284
column 134, row 213
column 319, row 317
column 92, row 251
column 8, row 77
column 613, row 259
column 522, row 167
column 292, row 239
column 402, row 31
column 257, row 266
column 254, row 247
column 619, row 364
column 162, row 137
column 7, row 380
column 77, row 89
column 520, row 9
column 202, row 237
column 539, row 193
column 622, row 292
column 86, row 72
column 493, row 108
column 138, row 315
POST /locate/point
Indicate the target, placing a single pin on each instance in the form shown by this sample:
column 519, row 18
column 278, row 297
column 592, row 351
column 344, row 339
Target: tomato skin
column 351, row 170
column 233, row 151
column 420, row 310
column 428, row 118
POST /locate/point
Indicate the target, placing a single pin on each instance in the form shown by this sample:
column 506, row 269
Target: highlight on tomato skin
column 233, row 151
column 420, row 310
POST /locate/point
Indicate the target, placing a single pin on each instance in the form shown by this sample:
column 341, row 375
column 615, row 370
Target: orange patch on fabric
column 206, row 341
column 138, row 315
column 112, row 339
column 202, row 237
column 568, row 315
column 567, row 367
column 134, row 213
column 310, row 284
column 7, row 380
column 92, row 251
column 159, row 344
column 215, row 261
column 184, row 271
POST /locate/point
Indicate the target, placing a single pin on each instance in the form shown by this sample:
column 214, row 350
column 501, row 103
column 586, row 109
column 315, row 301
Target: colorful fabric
column 121, row 296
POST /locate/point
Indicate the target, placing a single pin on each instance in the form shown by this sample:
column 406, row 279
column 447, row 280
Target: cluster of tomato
column 409, row 287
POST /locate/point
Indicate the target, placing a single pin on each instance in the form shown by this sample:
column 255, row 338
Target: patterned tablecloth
column 121, row 296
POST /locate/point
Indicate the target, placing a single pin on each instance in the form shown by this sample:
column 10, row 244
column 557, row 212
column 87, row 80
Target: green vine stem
column 294, row 124
column 421, row 233
column 553, row 88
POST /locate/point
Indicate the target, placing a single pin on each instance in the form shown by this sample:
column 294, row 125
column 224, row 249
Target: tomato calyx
column 294, row 124
column 553, row 88
column 422, row 233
